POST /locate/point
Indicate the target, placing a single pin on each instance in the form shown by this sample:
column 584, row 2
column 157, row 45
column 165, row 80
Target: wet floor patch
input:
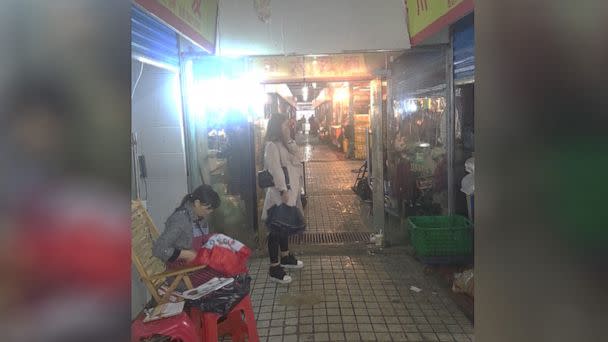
column 300, row 299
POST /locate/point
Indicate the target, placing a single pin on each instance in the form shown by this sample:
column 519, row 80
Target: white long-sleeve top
column 276, row 156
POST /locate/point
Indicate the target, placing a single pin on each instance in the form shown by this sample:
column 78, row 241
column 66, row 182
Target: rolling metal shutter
column 464, row 50
column 152, row 39
column 419, row 71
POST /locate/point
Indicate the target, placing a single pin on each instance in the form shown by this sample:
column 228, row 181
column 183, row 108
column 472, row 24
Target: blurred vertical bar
column 541, row 154
column 449, row 69
column 65, row 170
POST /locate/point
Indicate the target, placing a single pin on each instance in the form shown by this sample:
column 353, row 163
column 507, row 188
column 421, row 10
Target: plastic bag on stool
column 224, row 254
column 222, row 301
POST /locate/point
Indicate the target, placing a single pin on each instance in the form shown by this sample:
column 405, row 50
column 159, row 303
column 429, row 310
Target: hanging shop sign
column 344, row 67
column 427, row 17
column 194, row 19
column 337, row 66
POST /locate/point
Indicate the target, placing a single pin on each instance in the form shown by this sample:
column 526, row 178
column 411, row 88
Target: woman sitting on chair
column 186, row 230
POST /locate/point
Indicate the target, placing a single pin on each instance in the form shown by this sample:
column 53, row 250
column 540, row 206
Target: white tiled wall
column 157, row 122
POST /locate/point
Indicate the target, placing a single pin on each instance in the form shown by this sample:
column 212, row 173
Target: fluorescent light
column 411, row 107
column 424, row 145
column 156, row 63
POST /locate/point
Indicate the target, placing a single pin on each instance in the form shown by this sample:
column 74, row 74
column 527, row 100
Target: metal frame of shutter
column 152, row 39
column 464, row 50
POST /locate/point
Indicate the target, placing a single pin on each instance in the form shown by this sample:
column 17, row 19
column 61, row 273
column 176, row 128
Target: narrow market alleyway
column 350, row 294
column 332, row 205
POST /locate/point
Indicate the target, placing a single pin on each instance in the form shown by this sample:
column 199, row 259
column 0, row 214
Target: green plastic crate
column 441, row 235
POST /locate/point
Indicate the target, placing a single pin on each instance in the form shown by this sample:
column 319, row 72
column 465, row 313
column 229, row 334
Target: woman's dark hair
column 205, row 194
column 274, row 131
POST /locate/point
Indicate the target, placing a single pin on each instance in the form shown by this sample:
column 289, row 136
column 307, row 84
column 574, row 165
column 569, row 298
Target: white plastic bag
column 222, row 240
column 468, row 184
column 464, row 283
column 469, row 165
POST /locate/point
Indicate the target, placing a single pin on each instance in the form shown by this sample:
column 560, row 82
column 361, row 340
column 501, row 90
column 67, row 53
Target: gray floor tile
column 277, row 323
column 377, row 320
column 335, row 328
column 363, row 319
column 275, row 331
column 321, row 327
column 290, row 338
column 384, row 337
column 454, row 328
column 380, row 328
column 291, row 321
column 440, row 328
column 398, row 336
column 352, row 336
column 410, row 328
column 263, row 324
column 336, row 336
column 430, row 337
column 366, row 327
column 320, row 319
column 350, row 319
column 306, row 337
column 368, row 336
column 321, row 336
column 290, row 330
column 425, row 328
column 413, row 336
column 395, row 328
column 445, row 337
column 306, row 328
column 461, row 337
column 391, row 320
column 335, row 319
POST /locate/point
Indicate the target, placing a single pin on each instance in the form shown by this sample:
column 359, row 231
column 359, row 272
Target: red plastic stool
column 240, row 322
column 179, row 328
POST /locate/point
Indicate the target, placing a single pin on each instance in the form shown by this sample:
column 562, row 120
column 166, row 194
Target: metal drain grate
column 329, row 238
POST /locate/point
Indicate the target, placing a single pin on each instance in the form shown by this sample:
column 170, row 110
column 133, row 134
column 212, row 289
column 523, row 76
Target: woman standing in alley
column 281, row 159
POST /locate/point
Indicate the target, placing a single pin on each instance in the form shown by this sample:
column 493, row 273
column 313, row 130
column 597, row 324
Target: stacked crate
column 361, row 128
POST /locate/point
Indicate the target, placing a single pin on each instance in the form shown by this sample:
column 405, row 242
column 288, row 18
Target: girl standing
column 281, row 159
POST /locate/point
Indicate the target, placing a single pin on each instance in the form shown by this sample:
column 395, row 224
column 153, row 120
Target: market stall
column 463, row 42
column 417, row 134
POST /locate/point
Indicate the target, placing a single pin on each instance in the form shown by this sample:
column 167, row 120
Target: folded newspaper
column 198, row 292
column 206, row 288
column 164, row 311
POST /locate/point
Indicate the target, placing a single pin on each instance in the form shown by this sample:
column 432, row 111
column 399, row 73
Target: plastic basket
column 434, row 236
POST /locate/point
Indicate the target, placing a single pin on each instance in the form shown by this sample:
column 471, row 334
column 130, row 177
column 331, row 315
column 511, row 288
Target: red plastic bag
column 224, row 254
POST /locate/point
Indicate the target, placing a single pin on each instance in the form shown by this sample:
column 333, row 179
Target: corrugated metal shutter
column 419, row 71
column 152, row 39
column 464, row 49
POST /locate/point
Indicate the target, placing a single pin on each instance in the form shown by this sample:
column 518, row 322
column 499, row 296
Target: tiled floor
column 332, row 205
column 355, row 298
column 334, row 213
column 358, row 297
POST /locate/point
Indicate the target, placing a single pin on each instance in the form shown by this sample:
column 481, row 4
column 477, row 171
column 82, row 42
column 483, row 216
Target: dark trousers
column 276, row 240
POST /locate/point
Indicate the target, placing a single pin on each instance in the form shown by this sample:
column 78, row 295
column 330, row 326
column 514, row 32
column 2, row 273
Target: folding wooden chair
column 152, row 271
